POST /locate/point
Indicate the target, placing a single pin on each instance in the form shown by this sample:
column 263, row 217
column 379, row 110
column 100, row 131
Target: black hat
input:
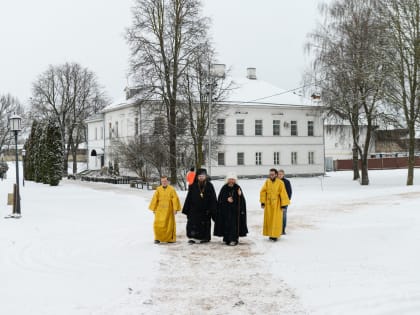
column 201, row 171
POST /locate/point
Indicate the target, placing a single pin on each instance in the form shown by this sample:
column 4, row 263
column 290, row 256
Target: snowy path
column 218, row 279
column 87, row 249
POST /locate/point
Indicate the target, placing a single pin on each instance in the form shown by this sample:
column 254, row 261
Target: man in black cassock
column 230, row 219
column 200, row 206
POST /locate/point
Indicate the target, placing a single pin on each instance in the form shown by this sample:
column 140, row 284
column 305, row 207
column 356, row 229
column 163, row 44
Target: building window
column 102, row 132
column 221, row 158
column 241, row 158
column 276, row 158
column 136, row 126
column 293, row 128
column 116, row 129
column 294, row 158
column 310, row 157
column 220, row 127
column 258, row 127
column 96, row 133
column 158, row 125
column 180, row 126
column 310, row 128
column 276, row 127
column 240, row 127
column 258, row 158
column 110, row 130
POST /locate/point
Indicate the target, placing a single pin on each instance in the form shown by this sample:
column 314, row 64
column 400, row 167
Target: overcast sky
column 266, row 34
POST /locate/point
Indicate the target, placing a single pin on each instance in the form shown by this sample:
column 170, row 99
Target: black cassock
column 230, row 219
column 200, row 206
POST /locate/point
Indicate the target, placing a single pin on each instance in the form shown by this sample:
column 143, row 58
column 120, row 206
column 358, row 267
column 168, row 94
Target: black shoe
column 274, row 239
column 204, row 241
column 157, row 242
column 284, row 233
column 191, row 242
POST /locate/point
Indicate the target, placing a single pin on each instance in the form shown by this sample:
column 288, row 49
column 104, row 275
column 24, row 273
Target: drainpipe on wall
column 323, row 142
column 87, row 145
column 104, row 133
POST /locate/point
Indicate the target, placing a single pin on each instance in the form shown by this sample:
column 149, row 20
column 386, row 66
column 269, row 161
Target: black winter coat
column 230, row 217
column 288, row 187
column 199, row 210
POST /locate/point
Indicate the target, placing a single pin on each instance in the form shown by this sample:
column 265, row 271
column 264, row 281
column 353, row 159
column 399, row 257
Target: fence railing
column 377, row 163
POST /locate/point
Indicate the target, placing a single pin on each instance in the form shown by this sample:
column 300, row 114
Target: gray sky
column 266, row 34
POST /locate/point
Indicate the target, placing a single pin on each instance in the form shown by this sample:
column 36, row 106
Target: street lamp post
column 23, row 167
column 15, row 126
column 215, row 71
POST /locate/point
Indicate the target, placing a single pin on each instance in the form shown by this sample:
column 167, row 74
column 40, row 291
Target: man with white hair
column 230, row 222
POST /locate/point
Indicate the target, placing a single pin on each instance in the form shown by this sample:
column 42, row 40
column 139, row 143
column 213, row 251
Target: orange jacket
column 190, row 177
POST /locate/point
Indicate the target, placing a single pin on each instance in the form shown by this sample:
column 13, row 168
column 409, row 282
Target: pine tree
column 37, row 152
column 44, row 159
column 30, row 153
column 54, row 154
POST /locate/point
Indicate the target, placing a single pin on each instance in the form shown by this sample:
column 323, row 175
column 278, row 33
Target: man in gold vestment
column 273, row 197
column 165, row 204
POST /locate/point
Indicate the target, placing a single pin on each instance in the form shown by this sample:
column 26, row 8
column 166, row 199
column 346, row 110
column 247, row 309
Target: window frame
column 275, row 125
column 243, row 158
column 259, row 127
column 311, row 128
column 240, row 123
column 258, row 158
column 294, row 158
column 221, row 154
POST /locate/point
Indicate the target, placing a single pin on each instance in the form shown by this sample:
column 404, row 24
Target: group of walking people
column 227, row 210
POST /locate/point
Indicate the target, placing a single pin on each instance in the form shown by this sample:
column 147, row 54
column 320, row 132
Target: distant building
column 261, row 127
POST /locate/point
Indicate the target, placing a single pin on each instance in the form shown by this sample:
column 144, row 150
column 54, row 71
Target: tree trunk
column 356, row 174
column 365, row 175
column 172, row 143
column 200, row 154
column 74, row 154
column 411, row 156
column 65, row 163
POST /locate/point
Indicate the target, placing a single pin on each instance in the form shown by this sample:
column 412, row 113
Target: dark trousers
column 284, row 218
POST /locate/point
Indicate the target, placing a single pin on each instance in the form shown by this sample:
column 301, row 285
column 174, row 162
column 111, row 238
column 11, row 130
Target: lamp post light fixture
column 23, row 167
column 15, row 126
column 216, row 71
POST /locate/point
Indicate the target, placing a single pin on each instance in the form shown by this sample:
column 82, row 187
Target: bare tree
column 195, row 87
column 8, row 106
column 403, row 19
column 351, row 69
column 163, row 36
column 67, row 93
column 148, row 159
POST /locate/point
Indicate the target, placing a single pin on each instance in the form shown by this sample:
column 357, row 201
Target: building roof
column 244, row 91
column 123, row 102
column 257, row 92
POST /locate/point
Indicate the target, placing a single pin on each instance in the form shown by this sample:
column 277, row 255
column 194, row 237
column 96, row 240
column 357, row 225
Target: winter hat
column 201, row 171
column 231, row 175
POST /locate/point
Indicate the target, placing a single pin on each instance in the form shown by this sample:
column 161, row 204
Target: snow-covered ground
column 87, row 248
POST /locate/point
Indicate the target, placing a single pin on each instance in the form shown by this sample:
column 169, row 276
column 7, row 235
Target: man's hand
column 230, row 199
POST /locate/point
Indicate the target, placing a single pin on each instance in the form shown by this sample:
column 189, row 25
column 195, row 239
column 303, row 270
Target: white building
column 261, row 127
